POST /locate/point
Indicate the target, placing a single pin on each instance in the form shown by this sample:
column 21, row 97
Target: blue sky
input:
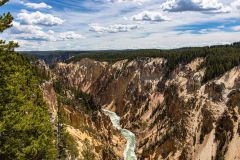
column 121, row 24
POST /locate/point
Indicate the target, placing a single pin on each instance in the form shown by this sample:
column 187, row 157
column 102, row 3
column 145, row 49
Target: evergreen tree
column 25, row 128
column 6, row 22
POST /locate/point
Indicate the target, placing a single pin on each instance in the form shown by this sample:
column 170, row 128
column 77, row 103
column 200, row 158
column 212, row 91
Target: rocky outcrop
column 174, row 116
column 214, row 91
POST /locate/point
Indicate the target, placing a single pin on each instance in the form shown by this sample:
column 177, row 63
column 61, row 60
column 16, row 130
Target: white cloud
column 149, row 34
column 38, row 5
column 30, row 32
column 150, row 16
column 236, row 4
column 39, row 18
column 212, row 6
column 112, row 28
column 236, row 28
column 69, row 35
column 33, row 32
column 120, row 1
column 17, row 28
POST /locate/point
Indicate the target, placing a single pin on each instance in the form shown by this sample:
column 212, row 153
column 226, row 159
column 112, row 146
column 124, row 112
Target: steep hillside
column 83, row 130
column 25, row 128
column 175, row 114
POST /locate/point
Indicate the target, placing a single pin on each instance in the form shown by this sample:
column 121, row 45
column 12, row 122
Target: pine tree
column 25, row 128
column 6, row 22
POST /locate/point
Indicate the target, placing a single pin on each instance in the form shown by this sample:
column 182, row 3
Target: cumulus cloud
column 28, row 32
column 38, row 5
column 33, row 32
column 18, row 28
column 150, row 16
column 112, row 28
column 212, row 6
column 39, row 18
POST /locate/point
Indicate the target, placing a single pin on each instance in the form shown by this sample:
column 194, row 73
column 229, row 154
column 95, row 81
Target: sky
column 121, row 24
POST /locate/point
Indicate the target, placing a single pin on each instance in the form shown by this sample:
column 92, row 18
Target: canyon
column 102, row 80
column 173, row 115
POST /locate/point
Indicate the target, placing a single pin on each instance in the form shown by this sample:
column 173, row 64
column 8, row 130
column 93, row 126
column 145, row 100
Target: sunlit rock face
column 95, row 128
column 173, row 115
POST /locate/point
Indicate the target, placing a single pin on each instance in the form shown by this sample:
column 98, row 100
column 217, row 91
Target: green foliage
column 219, row 60
column 7, row 46
column 25, row 128
column 5, row 21
column 42, row 74
column 238, row 129
column 85, row 101
column 80, row 100
column 58, row 87
column 207, row 124
column 224, row 133
column 108, row 153
column 66, row 144
column 40, row 71
column 87, row 151
column 175, row 56
column 70, row 144
column 236, row 44
column 2, row 2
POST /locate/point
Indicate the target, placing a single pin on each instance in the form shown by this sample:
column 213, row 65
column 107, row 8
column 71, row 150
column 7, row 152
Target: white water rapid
column 129, row 151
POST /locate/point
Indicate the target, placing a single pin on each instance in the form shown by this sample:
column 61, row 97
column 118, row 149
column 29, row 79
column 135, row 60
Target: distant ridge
column 51, row 57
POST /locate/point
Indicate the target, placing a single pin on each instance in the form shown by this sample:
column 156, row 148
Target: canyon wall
column 173, row 114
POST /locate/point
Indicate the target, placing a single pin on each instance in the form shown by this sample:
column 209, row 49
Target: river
column 129, row 151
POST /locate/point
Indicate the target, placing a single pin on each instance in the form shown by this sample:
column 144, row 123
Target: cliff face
column 92, row 133
column 173, row 115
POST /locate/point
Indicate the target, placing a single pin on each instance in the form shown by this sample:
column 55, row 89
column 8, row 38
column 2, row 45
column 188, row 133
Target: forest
column 25, row 128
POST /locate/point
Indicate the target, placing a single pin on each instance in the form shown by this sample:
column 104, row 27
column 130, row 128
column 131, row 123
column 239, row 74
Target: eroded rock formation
column 173, row 115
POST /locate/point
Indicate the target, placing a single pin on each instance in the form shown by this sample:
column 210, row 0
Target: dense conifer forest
column 25, row 128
